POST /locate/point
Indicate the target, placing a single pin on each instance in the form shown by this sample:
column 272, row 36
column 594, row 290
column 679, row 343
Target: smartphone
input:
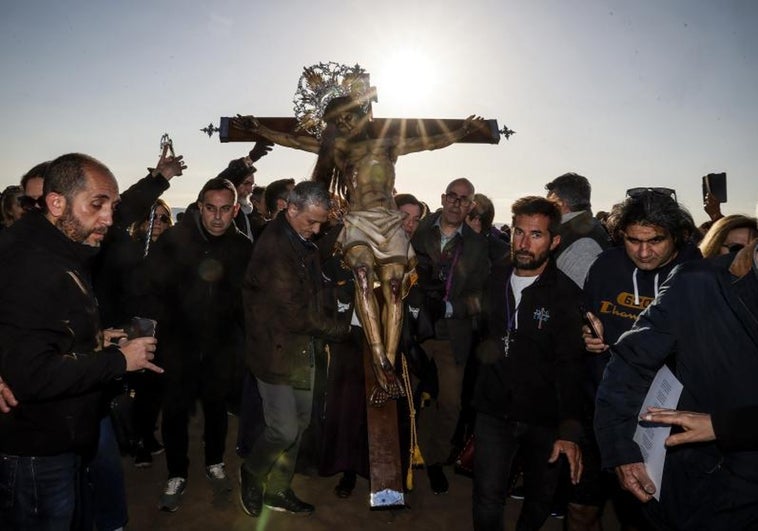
column 586, row 318
column 715, row 184
column 141, row 327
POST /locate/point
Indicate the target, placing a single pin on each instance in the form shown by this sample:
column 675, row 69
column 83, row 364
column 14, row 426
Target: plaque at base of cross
column 385, row 474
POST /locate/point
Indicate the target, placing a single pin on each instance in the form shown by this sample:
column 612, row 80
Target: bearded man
column 51, row 348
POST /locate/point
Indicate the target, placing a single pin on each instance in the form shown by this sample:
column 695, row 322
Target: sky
column 643, row 93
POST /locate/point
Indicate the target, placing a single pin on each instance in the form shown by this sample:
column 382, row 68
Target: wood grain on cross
column 486, row 133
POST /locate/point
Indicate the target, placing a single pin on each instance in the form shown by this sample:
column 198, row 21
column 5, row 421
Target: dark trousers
column 497, row 442
column 148, row 397
column 38, row 493
column 207, row 380
column 287, row 412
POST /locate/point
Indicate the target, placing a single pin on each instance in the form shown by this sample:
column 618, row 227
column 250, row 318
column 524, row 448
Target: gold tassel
column 415, row 452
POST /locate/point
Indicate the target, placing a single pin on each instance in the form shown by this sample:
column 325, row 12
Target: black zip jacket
column 539, row 381
column 48, row 340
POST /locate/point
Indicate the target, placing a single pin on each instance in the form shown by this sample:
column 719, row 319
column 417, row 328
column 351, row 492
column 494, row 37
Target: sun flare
column 408, row 79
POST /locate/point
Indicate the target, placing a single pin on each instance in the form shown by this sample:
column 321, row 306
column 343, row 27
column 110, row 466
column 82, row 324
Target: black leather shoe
column 251, row 493
column 286, row 501
column 437, row 479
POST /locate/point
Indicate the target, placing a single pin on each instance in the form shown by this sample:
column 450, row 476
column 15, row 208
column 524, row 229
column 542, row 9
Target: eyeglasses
column 642, row 190
column 163, row 218
column 452, row 198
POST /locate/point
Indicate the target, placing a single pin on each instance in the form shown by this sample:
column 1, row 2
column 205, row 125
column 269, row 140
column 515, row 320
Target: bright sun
column 408, row 78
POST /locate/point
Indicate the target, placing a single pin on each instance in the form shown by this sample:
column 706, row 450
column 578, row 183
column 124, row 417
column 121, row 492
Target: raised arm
column 428, row 143
column 252, row 124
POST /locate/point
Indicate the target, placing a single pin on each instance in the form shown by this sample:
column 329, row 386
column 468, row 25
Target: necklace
column 509, row 317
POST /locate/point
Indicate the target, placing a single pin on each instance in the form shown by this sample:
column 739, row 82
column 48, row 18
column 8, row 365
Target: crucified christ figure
column 361, row 168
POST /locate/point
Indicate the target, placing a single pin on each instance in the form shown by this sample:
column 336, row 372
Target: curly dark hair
column 653, row 208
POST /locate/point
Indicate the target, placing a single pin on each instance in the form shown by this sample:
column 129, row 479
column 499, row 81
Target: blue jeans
column 287, row 412
column 38, row 493
column 102, row 492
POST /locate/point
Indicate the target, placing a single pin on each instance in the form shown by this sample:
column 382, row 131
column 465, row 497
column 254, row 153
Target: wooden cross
column 384, row 451
column 403, row 127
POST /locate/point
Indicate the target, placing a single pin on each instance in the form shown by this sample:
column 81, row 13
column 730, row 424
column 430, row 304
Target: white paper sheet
column 664, row 392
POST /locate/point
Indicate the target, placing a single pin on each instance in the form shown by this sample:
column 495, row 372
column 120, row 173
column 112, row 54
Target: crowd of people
column 537, row 340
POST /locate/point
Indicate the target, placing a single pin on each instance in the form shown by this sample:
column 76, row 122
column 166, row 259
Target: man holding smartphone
column 655, row 235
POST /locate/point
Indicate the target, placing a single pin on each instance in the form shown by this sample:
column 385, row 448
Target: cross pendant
column 507, row 342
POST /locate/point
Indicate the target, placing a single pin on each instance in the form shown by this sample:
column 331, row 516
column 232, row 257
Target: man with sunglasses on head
column 655, row 235
column 453, row 264
column 704, row 321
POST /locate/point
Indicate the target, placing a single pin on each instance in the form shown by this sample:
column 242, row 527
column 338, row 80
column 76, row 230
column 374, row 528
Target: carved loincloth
column 381, row 229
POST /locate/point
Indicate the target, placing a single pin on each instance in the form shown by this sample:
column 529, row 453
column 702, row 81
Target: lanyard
column 449, row 279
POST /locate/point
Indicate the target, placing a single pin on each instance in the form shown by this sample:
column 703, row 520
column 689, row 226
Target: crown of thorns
column 320, row 84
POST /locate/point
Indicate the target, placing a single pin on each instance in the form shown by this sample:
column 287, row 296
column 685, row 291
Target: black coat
column 539, row 382
column 49, row 334
column 195, row 287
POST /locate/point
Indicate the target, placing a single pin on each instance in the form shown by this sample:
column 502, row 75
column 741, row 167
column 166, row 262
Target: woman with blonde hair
column 728, row 234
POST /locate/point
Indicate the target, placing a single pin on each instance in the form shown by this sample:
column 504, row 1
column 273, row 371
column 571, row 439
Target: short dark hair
column 38, row 170
column 276, row 190
column 573, row 189
column 532, row 205
column 309, row 193
column 407, row 199
column 258, row 191
column 65, row 175
column 217, row 184
column 652, row 208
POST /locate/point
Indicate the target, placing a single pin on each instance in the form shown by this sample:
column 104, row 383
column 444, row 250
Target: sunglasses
column 735, row 247
column 644, row 190
column 163, row 218
column 27, row 203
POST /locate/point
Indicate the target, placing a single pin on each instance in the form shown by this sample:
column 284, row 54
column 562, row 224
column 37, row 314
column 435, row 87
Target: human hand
column 113, row 335
column 138, row 353
column 712, row 206
column 7, row 400
column 168, row 165
column 573, row 454
column 633, row 477
column 260, row 150
column 698, row 427
column 470, row 122
column 595, row 345
column 246, row 123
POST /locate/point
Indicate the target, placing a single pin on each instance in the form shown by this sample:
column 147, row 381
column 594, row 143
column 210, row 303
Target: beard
column 74, row 230
column 533, row 262
column 245, row 204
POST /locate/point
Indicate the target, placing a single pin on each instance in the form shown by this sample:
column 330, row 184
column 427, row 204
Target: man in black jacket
column 453, row 263
column 51, row 348
column 195, row 272
column 704, row 318
column 527, row 395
